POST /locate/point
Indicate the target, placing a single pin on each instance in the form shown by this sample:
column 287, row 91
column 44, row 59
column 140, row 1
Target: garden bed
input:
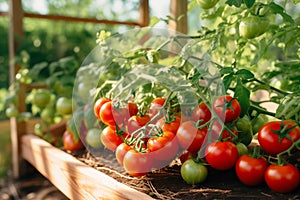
column 85, row 176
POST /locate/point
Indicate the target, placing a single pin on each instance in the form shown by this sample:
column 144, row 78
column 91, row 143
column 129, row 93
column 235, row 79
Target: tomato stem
column 295, row 144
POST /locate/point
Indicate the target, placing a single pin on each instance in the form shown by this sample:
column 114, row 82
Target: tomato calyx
column 284, row 131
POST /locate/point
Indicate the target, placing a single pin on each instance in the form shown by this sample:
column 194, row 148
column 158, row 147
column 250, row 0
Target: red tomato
column 187, row 155
column 110, row 139
column 69, row 143
column 227, row 108
column 121, row 151
column 269, row 136
column 189, row 137
column 201, row 112
column 251, row 171
column 136, row 122
column 164, row 147
column 156, row 105
column 137, row 163
column 98, row 104
column 169, row 126
column 217, row 129
column 221, row 155
column 283, row 179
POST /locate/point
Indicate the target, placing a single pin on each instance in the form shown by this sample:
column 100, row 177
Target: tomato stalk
column 295, row 144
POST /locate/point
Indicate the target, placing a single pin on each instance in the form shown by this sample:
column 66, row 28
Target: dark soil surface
column 168, row 184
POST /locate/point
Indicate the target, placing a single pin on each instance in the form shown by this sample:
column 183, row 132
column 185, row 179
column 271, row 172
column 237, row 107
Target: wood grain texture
column 74, row 178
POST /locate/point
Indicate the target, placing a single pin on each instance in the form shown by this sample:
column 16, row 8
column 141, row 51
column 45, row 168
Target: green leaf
column 36, row 70
column 242, row 94
column 277, row 9
column 226, row 70
column 154, row 20
column 236, row 3
column 249, row 3
column 192, row 5
column 296, row 1
column 227, row 81
column 244, row 74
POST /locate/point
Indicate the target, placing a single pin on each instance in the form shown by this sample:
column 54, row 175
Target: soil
column 167, row 183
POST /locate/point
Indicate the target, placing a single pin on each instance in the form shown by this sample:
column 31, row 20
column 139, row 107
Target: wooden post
column 144, row 17
column 178, row 8
column 16, row 35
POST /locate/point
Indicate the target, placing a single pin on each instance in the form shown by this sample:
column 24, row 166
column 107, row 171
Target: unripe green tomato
column 64, row 106
column 253, row 26
column 41, row 98
column 192, row 172
column 47, row 115
column 93, row 138
column 207, row 4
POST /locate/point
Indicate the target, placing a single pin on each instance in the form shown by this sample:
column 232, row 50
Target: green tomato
column 47, row 115
column 41, row 98
column 206, row 4
column 192, row 172
column 244, row 127
column 258, row 122
column 93, row 138
column 253, row 26
column 242, row 149
column 64, row 106
column 11, row 111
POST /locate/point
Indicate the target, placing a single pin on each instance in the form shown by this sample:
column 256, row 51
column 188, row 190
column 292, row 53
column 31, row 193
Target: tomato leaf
column 296, row 1
column 242, row 94
column 249, row 3
column 236, row 3
column 227, row 81
column 244, row 74
column 277, row 9
column 226, row 70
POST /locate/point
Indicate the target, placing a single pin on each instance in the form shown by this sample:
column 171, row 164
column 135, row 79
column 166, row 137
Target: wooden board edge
column 72, row 177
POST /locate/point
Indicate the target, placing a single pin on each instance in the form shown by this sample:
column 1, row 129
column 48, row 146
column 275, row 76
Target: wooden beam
column 144, row 17
column 178, row 8
column 74, row 178
column 16, row 36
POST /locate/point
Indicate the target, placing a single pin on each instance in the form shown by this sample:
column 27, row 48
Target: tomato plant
column 277, row 136
column 169, row 123
column 156, row 105
column 206, row 4
column 193, row 172
column 136, row 122
column 92, row 138
column 221, row 155
column 227, row 108
column 251, row 170
column 282, row 178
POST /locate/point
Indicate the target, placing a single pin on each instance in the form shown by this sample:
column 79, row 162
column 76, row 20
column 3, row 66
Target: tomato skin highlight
column 189, row 137
column 110, row 139
column 282, row 179
column 221, row 155
column 269, row 141
column 192, row 172
column 227, row 113
column 251, row 171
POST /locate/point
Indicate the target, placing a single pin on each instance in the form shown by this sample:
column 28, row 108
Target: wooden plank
column 16, row 35
column 74, row 178
column 144, row 17
column 178, row 8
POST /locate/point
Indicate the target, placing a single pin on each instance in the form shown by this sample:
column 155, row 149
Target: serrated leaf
column 236, row 3
column 249, row 3
column 242, row 94
column 227, row 81
column 244, row 74
column 277, row 9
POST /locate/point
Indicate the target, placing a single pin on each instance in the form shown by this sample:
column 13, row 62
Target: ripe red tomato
column 164, row 147
column 283, row 179
column 269, row 136
column 251, row 171
column 136, row 122
column 227, row 108
column 98, row 104
column 172, row 125
column 156, row 105
column 70, row 143
column 201, row 112
column 217, row 130
column 110, row 139
column 190, row 137
column 121, row 151
column 221, row 155
column 187, row 155
column 137, row 163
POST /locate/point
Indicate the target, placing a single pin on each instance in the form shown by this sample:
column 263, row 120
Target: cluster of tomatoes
column 206, row 137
